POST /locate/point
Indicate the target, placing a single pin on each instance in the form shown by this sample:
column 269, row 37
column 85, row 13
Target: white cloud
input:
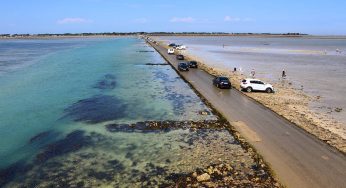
column 74, row 21
column 231, row 19
column 182, row 20
column 141, row 20
column 236, row 19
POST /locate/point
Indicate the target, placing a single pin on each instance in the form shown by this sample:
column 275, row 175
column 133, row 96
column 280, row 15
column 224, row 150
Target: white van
column 170, row 51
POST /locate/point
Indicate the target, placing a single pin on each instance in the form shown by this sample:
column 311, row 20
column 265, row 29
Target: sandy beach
column 314, row 108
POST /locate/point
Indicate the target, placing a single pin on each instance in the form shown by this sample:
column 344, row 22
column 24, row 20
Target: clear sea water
column 58, row 95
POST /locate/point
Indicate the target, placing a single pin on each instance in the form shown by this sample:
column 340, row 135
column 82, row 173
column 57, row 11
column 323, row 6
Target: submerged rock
column 156, row 64
column 203, row 177
column 97, row 109
column 200, row 127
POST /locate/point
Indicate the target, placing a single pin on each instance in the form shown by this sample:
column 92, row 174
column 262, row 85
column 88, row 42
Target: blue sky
column 275, row 16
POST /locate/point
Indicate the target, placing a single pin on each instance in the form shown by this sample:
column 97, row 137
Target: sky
column 316, row 17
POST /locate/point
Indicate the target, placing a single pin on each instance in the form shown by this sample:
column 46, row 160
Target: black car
column 183, row 67
column 172, row 45
column 222, row 82
column 193, row 64
column 180, row 57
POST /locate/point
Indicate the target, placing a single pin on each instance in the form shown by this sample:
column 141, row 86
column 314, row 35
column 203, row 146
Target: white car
column 170, row 51
column 250, row 84
column 181, row 47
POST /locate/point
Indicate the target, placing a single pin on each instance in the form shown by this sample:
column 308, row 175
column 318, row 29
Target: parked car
column 180, row 57
column 193, row 64
column 222, row 82
column 180, row 47
column 170, row 51
column 183, row 67
column 250, row 85
column 172, row 45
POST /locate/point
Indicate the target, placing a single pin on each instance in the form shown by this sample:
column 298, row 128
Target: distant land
column 145, row 33
column 119, row 34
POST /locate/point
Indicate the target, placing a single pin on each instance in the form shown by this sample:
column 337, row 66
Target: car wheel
column 249, row 89
column 268, row 90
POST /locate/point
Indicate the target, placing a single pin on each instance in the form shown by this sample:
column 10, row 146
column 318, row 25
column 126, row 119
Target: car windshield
column 223, row 79
column 244, row 81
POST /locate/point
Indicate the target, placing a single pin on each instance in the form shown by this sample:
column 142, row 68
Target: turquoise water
column 106, row 112
column 33, row 98
column 60, row 98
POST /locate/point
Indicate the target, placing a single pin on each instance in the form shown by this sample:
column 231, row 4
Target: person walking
column 253, row 73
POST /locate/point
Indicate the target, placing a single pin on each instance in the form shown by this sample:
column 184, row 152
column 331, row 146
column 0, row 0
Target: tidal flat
column 304, row 97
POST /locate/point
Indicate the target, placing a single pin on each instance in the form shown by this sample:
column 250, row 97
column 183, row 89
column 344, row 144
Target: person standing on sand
column 283, row 73
column 253, row 73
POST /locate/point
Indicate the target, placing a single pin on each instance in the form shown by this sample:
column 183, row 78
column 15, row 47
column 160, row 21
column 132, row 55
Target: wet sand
column 303, row 106
column 297, row 158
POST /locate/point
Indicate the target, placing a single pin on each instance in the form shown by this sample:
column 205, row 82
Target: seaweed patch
column 72, row 142
column 178, row 102
column 11, row 172
column 97, row 109
column 108, row 82
column 43, row 137
column 145, row 51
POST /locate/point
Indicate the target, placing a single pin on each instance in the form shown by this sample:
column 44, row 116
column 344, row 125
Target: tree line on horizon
column 139, row 33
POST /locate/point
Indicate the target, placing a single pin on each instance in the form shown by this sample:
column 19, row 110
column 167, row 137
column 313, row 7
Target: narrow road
column 297, row 158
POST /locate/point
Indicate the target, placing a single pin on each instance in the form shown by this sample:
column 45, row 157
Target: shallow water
column 56, row 108
column 310, row 63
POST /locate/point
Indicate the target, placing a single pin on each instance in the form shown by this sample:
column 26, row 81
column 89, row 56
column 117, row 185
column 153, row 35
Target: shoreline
column 237, row 136
column 289, row 103
column 66, row 37
column 279, row 141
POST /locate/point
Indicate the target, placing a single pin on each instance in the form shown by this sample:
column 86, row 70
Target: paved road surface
column 297, row 158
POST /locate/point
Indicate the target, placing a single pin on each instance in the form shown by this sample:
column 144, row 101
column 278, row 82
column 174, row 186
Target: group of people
column 253, row 72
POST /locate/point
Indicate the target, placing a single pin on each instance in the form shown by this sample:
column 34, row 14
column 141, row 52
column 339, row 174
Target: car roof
column 252, row 79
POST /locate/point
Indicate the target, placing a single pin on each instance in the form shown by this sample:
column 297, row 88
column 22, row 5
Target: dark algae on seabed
column 191, row 154
column 107, row 128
